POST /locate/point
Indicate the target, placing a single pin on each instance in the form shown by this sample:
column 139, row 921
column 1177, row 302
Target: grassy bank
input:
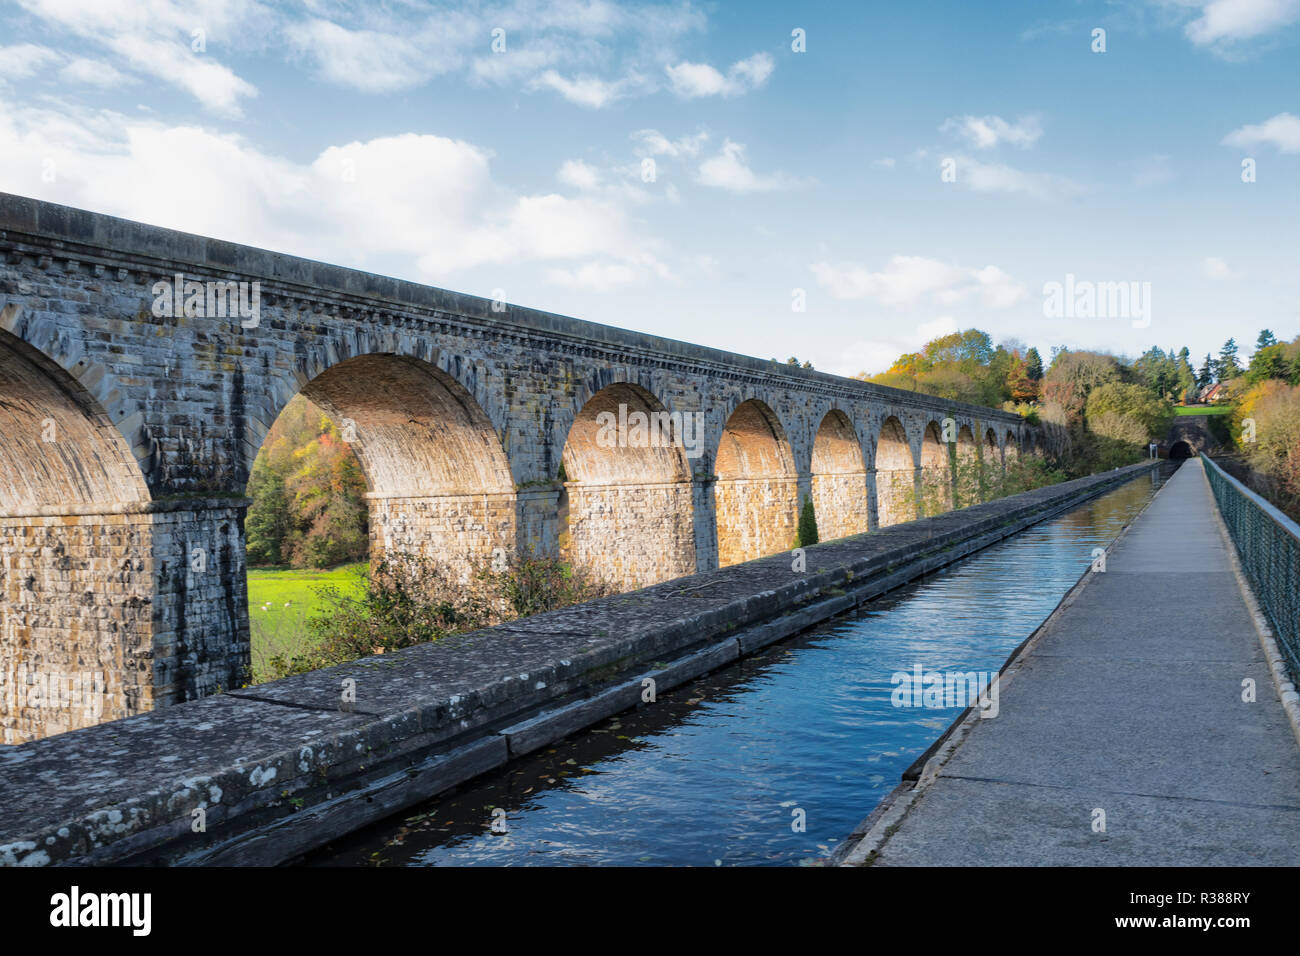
column 281, row 600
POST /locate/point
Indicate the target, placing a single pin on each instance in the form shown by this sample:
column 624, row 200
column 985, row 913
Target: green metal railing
column 1268, row 543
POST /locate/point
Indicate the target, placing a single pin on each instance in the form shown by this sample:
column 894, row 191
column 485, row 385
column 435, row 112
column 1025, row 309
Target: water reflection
column 721, row 771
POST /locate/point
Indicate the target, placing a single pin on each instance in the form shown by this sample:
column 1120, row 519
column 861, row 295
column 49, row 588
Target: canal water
column 773, row 759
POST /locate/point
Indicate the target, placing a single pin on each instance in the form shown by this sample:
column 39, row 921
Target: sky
column 836, row 181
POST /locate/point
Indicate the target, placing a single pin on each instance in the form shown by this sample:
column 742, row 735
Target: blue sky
column 392, row 137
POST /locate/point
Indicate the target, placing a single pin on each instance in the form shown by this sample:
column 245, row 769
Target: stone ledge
column 280, row 768
column 112, row 509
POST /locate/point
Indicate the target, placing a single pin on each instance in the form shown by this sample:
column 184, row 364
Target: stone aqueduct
column 126, row 441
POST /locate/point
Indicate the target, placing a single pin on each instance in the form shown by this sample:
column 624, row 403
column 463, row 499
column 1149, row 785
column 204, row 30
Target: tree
column 1266, row 338
column 1227, row 368
column 1034, row 365
column 1073, row 375
column 1186, row 374
column 807, row 533
column 268, row 520
column 1206, row 377
column 962, row 366
column 1269, row 361
column 1128, row 413
column 308, row 494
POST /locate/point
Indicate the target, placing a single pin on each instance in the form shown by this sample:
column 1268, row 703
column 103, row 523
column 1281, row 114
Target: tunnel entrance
column 1180, row 451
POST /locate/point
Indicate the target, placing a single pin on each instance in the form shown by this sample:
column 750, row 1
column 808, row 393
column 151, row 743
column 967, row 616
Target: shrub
column 412, row 599
column 807, row 533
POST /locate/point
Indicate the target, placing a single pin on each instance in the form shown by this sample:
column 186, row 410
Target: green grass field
column 281, row 601
column 1202, row 410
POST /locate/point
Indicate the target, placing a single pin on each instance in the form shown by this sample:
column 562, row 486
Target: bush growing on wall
column 807, row 532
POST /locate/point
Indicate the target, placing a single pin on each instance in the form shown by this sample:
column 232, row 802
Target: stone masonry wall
column 631, row 536
column 840, row 503
column 459, row 531
column 76, row 629
column 755, row 517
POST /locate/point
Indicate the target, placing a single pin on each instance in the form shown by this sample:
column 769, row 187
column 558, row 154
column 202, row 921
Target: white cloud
column 985, row 132
column 729, row 170
column 998, row 177
column 869, row 355
column 427, row 203
column 912, row 280
column 589, row 91
column 877, row 355
column 1216, row 268
column 153, row 37
column 24, row 59
column 580, row 175
column 87, row 72
column 374, row 61
column 651, row 142
column 594, row 276
column 1281, row 131
column 568, row 46
column 691, row 80
column 1226, row 21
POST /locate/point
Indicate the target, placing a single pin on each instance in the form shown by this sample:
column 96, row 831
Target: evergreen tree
column 268, row 520
column 807, row 533
column 1227, row 366
column 1034, row 365
column 1206, row 376
column 1266, row 338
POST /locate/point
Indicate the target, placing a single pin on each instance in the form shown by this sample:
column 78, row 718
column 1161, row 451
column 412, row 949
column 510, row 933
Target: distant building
column 1214, row 393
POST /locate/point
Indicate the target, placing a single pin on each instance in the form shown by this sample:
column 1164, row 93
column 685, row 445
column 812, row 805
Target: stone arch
column 57, row 445
column 966, row 442
column 76, row 555
column 895, row 474
column 1010, row 447
column 936, row 470
column 839, row 478
column 317, row 360
column 438, row 479
column 1181, row 450
column 756, row 493
column 627, row 510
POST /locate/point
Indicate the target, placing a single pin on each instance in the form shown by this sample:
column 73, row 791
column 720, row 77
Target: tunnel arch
column 76, row 552
column 839, row 478
column 627, row 509
column 1180, row 451
column 936, row 471
column 895, row 474
column 756, row 492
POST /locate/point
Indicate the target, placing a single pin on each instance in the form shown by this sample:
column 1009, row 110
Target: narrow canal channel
column 720, row 771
